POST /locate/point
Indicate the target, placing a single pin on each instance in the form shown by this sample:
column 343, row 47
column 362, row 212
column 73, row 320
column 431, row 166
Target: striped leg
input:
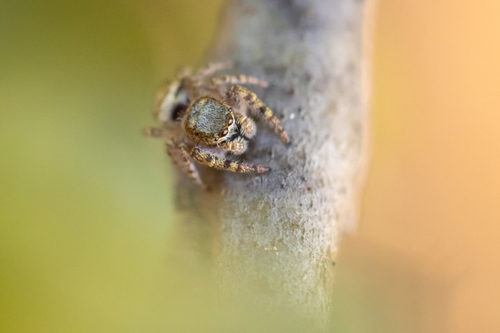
column 155, row 132
column 205, row 156
column 165, row 98
column 214, row 67
column 257, row 106
column 174, row 153
column 185, row 163
column 237, row 147
column 242, row 79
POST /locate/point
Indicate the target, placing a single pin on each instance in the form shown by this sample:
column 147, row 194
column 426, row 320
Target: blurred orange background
column 86, row 213
column 429, row 236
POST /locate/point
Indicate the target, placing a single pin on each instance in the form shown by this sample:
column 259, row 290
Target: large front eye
column 224, row 132
column 230, row 121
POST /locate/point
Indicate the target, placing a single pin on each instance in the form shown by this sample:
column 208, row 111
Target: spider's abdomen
column 206, row 119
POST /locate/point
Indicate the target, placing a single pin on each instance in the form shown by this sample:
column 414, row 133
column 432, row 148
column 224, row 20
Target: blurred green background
column 85, row 203
column 86, row 209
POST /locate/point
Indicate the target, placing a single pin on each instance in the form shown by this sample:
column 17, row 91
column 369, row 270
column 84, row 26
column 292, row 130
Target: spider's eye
column 230, row 121
column 216, row 138
column 225, row 132
column 196, row 133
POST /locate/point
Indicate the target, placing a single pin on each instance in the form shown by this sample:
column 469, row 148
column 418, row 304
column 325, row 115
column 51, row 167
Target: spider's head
column 210, row 121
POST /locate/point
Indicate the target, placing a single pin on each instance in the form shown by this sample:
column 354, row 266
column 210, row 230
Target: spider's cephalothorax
column 204, row 118
column 208, row 120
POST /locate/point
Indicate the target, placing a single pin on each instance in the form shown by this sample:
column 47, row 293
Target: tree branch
column 277, row 234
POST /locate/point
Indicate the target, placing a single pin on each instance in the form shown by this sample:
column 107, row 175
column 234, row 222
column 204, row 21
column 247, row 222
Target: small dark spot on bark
column 290, row 92
column 309, row 189
column 275, row 70
column 300, row 155
column 307, row 77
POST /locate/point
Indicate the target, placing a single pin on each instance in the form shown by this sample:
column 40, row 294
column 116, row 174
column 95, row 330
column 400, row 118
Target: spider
column 204, row 119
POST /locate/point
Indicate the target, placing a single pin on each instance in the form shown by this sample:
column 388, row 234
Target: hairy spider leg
column 156, row 132
column 174, row 153
column 187, row 164
column 257, row 106
column 205, row 156
column 241, row 79
column 183, row 72
column 163, row 92
column 214, row 67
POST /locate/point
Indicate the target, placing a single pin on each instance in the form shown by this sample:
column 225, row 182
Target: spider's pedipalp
column 248, row 128
column 237, row 147
column 257, row 106
column 205, row 156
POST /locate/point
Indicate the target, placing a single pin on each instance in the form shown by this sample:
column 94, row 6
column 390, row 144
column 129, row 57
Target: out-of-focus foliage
column 85, row 203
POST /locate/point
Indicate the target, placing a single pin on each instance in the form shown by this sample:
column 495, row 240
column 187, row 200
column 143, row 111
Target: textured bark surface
column 277, row 234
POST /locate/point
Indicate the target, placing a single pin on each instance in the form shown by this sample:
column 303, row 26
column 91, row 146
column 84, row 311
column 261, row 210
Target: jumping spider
column 204, row 117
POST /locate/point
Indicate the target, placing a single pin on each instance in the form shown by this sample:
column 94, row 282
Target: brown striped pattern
column 241, row 79
column 259, row 108
column 236, row 147
column 214, row 67
column 248, row 125
column 155, row 132
column 172, row 152
column 213, row 161
column 187, row 164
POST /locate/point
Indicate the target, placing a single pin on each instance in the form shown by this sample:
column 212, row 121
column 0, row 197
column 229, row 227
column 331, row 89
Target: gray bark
column 277, row 234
